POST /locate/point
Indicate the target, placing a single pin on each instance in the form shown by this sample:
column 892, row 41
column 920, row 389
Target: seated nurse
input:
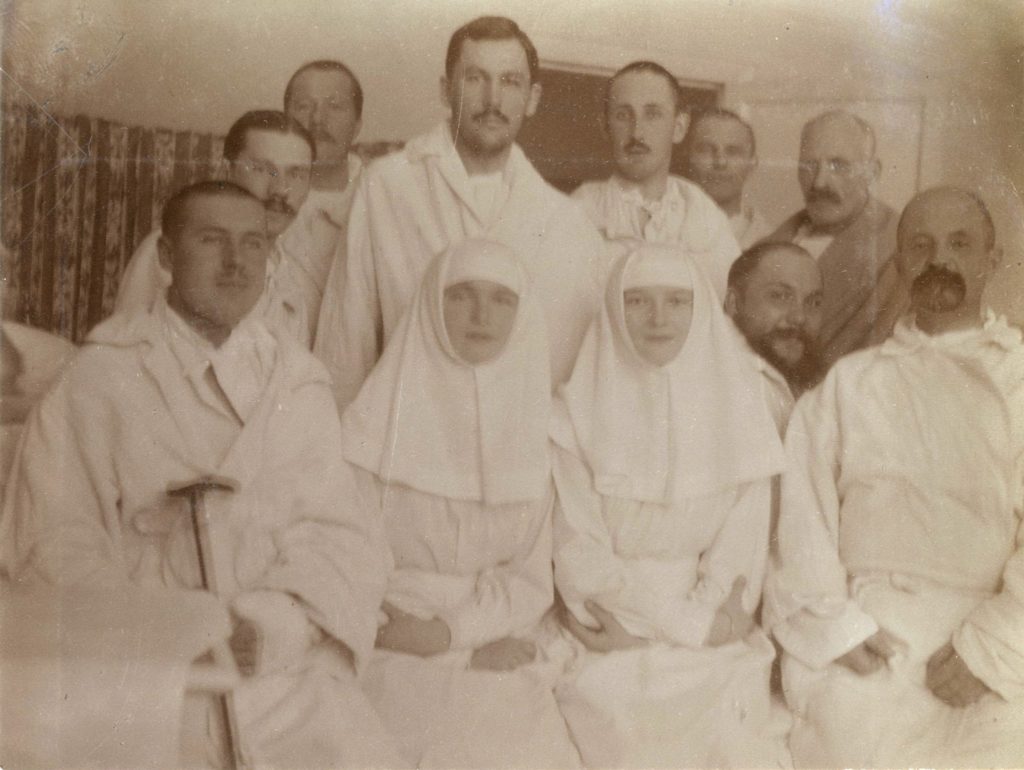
column 449, row 439
column 663, row 457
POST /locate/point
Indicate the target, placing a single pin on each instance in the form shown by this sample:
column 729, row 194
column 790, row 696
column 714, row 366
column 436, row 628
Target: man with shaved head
column 898, row 590
column 851, row 233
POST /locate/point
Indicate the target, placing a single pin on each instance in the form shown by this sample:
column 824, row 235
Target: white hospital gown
column 902, row 511
column 88, row 505
column 486, row 571
column 663, row 571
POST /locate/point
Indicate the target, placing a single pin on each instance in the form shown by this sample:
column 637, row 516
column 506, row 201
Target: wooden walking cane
column 195, row 490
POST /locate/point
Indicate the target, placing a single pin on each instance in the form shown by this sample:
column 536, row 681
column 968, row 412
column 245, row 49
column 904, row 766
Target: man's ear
column 995, row 256
column 732, row 302
column 223, row 170
column 874, row 170
column 682, row 122
column 445, row 92
column 534, row 101
column 165, row 253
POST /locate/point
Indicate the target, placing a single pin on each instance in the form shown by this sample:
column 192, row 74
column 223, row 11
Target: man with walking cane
column 197, row 388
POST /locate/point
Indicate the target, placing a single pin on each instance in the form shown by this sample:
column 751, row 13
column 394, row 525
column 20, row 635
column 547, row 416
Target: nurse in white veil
column 663, row 458
column 449, row 439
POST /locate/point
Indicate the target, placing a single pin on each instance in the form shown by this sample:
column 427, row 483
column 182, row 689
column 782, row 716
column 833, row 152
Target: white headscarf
column 431, row 421
column 695, row 426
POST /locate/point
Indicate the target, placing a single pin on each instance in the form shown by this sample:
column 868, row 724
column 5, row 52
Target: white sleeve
column 807, row 602
column 61, row 517
column 508, row 598
column 991, row 640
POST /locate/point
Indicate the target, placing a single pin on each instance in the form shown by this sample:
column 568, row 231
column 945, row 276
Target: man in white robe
column 465, row 178
column 642, row 200
column 774, row 300
column 898, row 595
column 200, row 386
column 268, row 154
column 720, row 153
column 326, row 98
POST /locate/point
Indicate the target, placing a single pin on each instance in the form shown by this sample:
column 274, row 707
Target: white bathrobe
column 454, row 459
column 664, row 485
column 412, row 205
column 317, row 239
column 134, row 412
column 684, row 216
column 902, row 510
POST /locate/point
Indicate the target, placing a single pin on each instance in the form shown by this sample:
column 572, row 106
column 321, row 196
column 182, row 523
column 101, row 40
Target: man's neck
column 731, row 206
column 651, row 189
column 330, row 176
column 213, row 333
column 964, row 317
column 476, row 164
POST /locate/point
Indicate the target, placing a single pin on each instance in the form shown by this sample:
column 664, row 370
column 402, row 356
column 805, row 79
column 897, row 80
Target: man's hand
column 407, row 633
column 731, row 622
column 951, row 681
column 610, row 636
column 871, row 654
column 503, row 655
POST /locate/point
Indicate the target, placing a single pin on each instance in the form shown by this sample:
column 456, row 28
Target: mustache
column 491, row 113
column 319, row 133
column 823, row 196
column 279, row 205
column 939, row 289
column 636, row 145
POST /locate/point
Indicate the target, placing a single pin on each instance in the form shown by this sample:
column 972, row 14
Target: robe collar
column 439, row 145
column 907, row 338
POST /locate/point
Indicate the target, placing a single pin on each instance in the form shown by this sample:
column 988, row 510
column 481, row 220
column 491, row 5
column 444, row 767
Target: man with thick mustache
column 643, row 120
column 268, row 154
column 774, row 299
column 465, row 178
column 327, row 99
column 898, row 591
column 851, row 233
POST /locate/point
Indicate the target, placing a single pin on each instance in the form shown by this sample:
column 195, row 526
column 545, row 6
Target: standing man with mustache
column 327, row 99
column 898, row 591
column 851, row 233
column 465, row 178
column 269, row 155
column 641, row 200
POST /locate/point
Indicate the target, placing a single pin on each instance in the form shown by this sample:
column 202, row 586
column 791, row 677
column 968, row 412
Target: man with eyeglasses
column 851, row 233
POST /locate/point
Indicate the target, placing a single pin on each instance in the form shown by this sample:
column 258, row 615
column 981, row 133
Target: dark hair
column 327, row 65
column 716, row 112
column 990, row 227
column 747, row 262
column 490, row 28
column 172, row 220
column 644, row 66
column 263, row 120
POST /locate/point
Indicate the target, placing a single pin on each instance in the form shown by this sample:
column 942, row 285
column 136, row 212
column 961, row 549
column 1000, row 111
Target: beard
column 938, row 289
column 802, row 374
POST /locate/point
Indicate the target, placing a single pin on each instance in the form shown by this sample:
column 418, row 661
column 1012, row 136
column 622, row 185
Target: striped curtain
column 77, row 195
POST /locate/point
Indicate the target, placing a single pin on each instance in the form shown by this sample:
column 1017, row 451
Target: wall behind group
column 198, row 65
